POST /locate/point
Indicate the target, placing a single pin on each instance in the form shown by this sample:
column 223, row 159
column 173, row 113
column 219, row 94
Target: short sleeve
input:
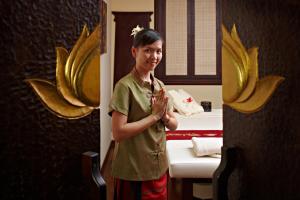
column 120, row 100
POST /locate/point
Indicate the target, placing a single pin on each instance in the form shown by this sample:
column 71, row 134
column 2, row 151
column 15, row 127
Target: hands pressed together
column 159, row 104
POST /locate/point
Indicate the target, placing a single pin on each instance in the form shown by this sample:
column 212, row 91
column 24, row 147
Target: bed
column 203, row 124
column 183, row 164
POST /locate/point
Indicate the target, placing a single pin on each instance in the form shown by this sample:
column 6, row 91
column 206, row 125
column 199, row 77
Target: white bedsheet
column 201, row 121
column 184, row 164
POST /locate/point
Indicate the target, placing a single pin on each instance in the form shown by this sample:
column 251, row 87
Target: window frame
column 190, row 78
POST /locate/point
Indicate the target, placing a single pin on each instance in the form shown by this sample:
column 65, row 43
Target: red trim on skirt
column 141, row 190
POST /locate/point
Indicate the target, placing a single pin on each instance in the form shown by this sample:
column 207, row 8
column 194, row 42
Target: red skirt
column 141, row 190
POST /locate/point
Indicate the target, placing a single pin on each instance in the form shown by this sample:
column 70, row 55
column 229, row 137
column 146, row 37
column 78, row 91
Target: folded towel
column 204, row 146
column 184, row 103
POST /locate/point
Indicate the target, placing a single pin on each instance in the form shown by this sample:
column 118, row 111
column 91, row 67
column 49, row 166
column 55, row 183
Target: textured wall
column 40, row 154
column 270, row 138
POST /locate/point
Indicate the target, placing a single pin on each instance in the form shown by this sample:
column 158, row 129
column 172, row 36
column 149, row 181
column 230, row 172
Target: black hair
column 145, row 37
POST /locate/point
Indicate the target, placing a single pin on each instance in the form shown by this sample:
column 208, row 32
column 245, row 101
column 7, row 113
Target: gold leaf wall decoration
column 77, row 90
column 241, row 87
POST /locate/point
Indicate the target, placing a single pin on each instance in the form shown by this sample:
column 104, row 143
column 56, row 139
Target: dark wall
column 40, row 154
column 269, row 139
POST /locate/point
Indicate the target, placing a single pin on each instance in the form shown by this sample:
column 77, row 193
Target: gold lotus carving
column 242, row 89
column 77, row 89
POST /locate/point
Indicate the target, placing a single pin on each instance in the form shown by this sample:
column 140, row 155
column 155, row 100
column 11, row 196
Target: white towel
column 184, row 103
column 204, row 146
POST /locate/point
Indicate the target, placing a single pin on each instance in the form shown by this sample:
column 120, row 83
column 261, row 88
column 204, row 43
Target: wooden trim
column 191, row 38
column 190, row 78
column 124, row 22
column 219, row 41
column 160, row 26
column 96, row 186
column 148, row 14
column 229, row 161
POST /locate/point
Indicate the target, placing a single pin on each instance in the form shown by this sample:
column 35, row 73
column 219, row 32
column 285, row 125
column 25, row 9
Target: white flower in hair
column 136, row 30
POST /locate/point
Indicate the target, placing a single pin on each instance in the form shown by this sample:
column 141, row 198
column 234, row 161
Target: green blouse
column 141, row 157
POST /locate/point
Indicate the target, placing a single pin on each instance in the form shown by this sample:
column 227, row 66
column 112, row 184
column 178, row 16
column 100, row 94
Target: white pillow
column 184, row 103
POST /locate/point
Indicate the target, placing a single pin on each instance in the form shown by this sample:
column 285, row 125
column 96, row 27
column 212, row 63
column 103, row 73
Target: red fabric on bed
column 188, row 134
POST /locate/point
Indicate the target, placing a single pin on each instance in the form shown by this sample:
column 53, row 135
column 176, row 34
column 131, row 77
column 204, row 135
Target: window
column 192, row 50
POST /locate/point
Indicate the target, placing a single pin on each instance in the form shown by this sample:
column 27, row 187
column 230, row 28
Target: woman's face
column 149, row 56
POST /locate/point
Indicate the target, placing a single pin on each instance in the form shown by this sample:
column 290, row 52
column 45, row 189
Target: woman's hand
column 159, row 104
column 170, row 120
column 165, row 118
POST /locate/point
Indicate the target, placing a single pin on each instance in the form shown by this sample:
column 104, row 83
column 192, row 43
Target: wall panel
column 40, row 154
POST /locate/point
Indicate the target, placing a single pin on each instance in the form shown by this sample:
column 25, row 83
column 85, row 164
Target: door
column 125, row 22
column 265, row 164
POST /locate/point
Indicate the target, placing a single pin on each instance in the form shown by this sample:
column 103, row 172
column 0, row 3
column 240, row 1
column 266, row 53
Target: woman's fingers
column 166, row 99
column 152, row 100
column 159, row 103
column 160, row 95
column 163, row 93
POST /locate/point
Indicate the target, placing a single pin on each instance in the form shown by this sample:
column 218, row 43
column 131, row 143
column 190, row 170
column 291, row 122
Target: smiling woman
column 140, row 112
column 147, row 57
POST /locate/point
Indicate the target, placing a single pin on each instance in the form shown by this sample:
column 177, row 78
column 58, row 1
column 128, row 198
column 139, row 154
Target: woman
column 140, row 111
